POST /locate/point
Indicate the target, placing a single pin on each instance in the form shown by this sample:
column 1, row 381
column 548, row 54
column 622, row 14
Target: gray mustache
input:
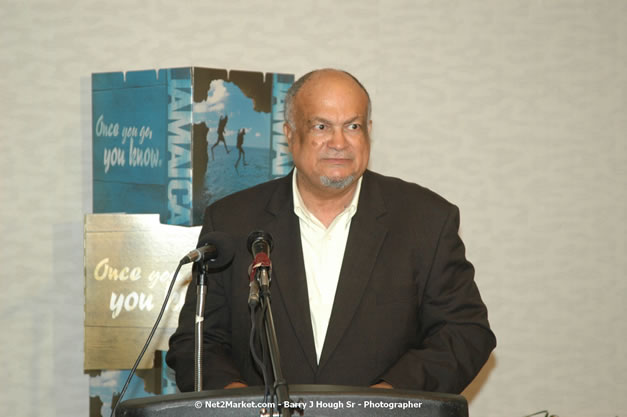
column 338, row 156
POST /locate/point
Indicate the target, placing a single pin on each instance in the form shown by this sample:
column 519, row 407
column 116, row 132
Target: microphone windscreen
column 223, row 245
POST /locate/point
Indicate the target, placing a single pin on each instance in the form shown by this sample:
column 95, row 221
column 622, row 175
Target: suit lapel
column 288, row 268
column 365, row 238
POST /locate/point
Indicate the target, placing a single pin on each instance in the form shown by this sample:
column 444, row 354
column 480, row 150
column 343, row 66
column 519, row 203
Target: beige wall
column 514, row 110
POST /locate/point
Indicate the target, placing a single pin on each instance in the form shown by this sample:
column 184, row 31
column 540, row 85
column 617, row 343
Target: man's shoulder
column 397, row 190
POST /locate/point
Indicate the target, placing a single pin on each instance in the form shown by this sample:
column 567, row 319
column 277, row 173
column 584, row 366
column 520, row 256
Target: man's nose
column 337, row 139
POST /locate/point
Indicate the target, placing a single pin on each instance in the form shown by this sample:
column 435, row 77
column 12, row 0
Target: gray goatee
column 337, row 183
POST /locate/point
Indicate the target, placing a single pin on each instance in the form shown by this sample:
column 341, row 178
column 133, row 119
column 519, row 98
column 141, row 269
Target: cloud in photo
column 216, row 98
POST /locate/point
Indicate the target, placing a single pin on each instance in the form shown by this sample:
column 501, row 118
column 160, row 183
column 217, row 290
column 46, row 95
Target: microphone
column 213, row 247
column 259, row 243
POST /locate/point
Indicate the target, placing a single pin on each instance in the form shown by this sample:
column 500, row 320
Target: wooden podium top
column 316, row 401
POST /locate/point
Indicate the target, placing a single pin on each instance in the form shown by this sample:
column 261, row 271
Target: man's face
column 330, row 139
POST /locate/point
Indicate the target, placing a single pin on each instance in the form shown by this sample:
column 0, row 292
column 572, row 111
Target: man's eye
column 353, row 126
column 319, row 126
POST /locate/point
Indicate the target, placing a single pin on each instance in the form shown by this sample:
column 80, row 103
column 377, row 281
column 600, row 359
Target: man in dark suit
column 370, row 282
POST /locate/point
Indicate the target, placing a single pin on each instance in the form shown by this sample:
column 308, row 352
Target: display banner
column 165, row 144
column 173, row 141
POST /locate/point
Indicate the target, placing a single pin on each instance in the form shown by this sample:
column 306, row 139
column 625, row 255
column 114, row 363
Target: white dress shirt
column 323, row 252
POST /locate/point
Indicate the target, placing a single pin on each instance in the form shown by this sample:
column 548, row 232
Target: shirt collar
column 302, row 212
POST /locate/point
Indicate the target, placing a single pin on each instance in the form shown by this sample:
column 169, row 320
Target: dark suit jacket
column 406, row 311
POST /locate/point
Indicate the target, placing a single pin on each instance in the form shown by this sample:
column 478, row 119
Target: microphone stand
column 201, row 291
column 280, row 384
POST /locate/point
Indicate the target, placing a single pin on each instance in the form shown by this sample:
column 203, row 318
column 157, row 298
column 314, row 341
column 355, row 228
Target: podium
column 315, row 400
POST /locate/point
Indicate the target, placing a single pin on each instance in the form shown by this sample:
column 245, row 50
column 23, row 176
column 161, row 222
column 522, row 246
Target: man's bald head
column 298, row 84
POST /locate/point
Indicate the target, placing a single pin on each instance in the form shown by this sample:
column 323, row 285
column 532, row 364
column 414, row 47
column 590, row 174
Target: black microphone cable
column 150, row 336
column 253, row 350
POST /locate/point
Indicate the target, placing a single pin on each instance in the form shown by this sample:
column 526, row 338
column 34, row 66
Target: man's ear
column 289, row 134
